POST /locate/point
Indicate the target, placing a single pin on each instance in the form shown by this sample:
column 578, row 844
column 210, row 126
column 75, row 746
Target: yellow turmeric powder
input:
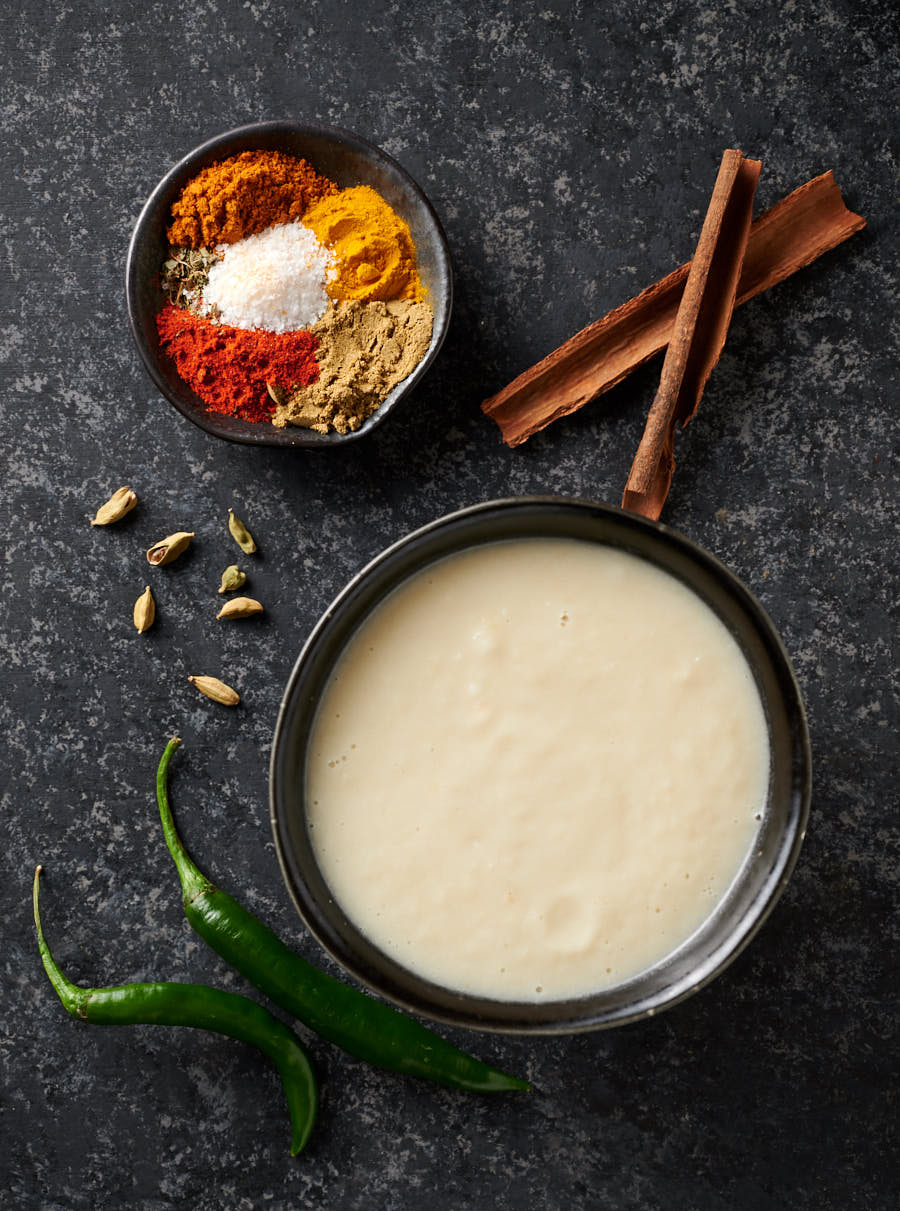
column 376, row 257
column 243, row 195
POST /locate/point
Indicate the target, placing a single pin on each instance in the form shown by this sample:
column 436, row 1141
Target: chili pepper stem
column 73, row 998
column 193, row 881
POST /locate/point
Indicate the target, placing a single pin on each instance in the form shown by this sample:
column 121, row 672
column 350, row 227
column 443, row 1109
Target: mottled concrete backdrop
column 570, row 150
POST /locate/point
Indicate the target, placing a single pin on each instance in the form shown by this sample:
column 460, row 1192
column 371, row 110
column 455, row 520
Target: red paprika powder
column 229, row 367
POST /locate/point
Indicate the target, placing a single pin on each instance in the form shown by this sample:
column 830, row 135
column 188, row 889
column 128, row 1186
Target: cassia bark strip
column 800, row 228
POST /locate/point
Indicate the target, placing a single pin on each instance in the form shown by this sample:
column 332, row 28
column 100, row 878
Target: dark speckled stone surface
column 570, row 150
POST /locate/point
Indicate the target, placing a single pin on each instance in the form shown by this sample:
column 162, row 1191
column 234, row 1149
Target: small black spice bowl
column 346, row 159
column 757, row 886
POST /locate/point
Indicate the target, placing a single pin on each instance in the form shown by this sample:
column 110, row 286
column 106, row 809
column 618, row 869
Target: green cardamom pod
column 120, row 503
column 169, row 548
column 232, row 578
column 240, row 533
column 144, row 611
column 213, row 688
column 240, row 607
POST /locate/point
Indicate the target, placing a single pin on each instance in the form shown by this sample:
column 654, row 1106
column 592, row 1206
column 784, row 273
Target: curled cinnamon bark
column 799, row 229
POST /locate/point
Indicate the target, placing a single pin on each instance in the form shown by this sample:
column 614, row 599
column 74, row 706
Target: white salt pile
column 273, row 280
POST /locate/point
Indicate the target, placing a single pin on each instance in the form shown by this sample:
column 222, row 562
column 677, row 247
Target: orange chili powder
column 229, row 367
column 242, row 195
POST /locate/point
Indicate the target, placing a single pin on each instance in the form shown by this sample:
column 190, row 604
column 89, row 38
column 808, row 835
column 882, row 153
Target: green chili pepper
column 195, row 1005
column 362, row 1026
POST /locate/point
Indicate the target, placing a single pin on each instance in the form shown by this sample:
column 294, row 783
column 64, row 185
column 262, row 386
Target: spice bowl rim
column 756, row 889
column 151, row 218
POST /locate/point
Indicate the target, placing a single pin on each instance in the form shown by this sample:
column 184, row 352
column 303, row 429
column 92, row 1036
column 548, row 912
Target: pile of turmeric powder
column 376, row 257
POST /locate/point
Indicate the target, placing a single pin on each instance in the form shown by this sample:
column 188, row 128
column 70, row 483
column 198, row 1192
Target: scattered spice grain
column 144, row 611
column 232, row 578
column 215, row 689
column 121, row 502
column 240, row 607
column 168, row 549
column 240, row 533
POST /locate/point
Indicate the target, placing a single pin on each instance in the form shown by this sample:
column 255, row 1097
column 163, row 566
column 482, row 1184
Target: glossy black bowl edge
column 421, row 996
column 242, row 432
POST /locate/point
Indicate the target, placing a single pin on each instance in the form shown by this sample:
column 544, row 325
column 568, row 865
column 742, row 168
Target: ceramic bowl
column 348, row 160
column 756, row 888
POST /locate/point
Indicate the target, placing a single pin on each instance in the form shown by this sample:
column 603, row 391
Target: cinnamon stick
column 796, row 231
column 698, row 336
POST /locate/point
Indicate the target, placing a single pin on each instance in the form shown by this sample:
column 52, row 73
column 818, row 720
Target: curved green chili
column 362, row 1026
column 197, row 1005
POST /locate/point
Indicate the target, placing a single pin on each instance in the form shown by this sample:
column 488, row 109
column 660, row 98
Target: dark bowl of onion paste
column 349, row 161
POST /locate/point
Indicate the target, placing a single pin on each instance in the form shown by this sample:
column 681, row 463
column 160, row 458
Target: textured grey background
column 570, row 150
